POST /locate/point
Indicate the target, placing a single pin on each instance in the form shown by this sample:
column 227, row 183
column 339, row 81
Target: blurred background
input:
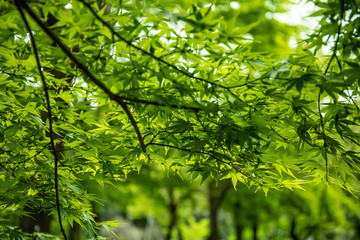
column 154, row 205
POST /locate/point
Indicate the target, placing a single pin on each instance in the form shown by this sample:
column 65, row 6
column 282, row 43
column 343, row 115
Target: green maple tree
column 96, row 90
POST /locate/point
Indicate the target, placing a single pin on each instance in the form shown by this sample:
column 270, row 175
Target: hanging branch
column 322, row 124
column 338, row 60
column 19, row 6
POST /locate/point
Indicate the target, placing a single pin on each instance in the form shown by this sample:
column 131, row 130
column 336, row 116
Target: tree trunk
column 216, row 196
column 237, row 221
column 239, row 230
column 292, row 230
column 180, row 237
column 255, row 228
column 75, row 232
column 173, row 213
column 38, row 221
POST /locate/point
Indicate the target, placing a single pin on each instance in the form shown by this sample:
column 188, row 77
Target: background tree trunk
column 173, row 213
column 216, row 196
column 75, row 232
column 237, row 221
column 292, row 230
column 39, row 220
column 255, row 228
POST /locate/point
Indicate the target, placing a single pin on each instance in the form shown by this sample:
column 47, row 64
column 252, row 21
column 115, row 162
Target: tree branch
column 356, row 6
column 149, row 102
column 86, row 71
column 129, row 43
column 322, row 124
column 337, row 37
column 133, row 122
column 182, row 149
column 19, row 4
column 342, row 75
column 283, row 138
column 229, row 163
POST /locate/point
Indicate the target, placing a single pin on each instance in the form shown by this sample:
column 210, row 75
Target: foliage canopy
column 96, row 90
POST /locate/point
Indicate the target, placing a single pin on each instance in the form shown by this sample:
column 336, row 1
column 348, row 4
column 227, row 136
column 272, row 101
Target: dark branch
column 342, row 75
column 182, row 149
column 19, row 6
column 356, row 6
column 133, row 122
column 149, row 102
column 86, row 71
column 283, row 138
column 322, row 124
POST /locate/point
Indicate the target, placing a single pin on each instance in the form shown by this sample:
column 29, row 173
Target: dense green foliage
column 200, row 91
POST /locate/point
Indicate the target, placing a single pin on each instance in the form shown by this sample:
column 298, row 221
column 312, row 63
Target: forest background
column 178, row 120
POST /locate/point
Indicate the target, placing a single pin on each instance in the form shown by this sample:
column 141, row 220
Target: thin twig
column 202, row 124
column 283, row 138
column 253, row 81
column 37, row 153
column 348, row 93
column 20, row 4
column 229, row 163
column 186, row 150
column 209, row 134
column 323, row 135
column 178, row 148
column 337, row 37
column 149, row 102
column 356, row 6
